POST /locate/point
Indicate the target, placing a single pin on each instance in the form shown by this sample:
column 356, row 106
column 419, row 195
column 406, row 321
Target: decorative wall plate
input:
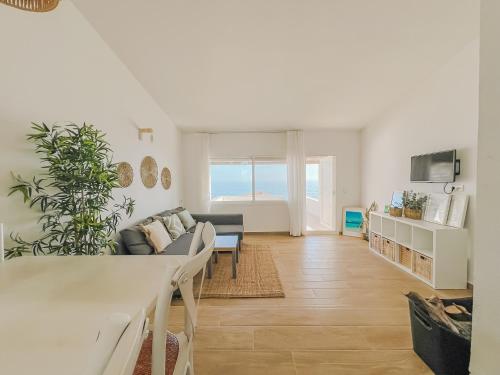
column 166, row 178
column 149, row 172
column 125, row 174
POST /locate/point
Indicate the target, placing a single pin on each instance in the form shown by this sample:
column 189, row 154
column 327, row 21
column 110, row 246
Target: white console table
column 442, row 247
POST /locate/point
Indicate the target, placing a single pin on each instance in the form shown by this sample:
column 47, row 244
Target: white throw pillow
column 156, row 235
column 174, row 226
column 186, row 219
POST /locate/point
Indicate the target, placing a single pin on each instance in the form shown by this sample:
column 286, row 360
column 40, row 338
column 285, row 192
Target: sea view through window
column 255, row 179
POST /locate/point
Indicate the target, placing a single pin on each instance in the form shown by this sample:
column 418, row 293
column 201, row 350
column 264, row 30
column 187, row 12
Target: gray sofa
column 132, row 241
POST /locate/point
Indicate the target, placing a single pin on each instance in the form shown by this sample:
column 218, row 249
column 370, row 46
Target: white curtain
column 196, row 172
column 296, row 161
column 205, row 173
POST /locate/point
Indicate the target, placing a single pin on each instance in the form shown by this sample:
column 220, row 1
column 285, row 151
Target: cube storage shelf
column 433, row 253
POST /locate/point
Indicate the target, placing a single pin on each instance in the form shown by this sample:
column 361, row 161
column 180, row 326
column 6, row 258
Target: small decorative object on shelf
column 413, row 204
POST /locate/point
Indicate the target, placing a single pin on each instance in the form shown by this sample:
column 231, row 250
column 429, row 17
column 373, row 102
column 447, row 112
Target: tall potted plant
column 73, row 193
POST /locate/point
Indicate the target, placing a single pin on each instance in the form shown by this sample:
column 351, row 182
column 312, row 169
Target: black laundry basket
column 445, row 352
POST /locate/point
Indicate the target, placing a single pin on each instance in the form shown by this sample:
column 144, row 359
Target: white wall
column 441, row 114
column 485, row 328
column 56, row 68
column 273, row 216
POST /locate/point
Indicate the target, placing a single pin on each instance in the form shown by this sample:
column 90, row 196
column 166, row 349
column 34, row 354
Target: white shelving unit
column 445, row 248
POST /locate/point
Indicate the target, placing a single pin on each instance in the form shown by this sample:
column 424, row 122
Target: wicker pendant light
column 32, row 5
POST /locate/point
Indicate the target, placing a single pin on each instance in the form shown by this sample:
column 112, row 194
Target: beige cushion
column 186, row 219
column 156, row 235
column 174, row 226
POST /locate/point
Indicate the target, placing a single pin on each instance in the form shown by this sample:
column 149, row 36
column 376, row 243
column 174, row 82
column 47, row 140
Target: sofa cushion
column 174, row 226
column 186, row 219
column 229, row 230
column 135, row 241
column 180, row 246
column 156, row 235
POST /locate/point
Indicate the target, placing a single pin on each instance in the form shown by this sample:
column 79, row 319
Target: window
column 231, row 180
column 256, row 179
column 270, row 180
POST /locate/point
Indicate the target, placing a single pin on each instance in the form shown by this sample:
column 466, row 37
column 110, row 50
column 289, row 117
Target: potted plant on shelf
column 413, row 204
column 74, row 193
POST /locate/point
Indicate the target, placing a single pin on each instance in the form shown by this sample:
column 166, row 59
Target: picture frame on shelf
column 438, row 205
column 396, row 208
column 352, row 221
column 458, row 210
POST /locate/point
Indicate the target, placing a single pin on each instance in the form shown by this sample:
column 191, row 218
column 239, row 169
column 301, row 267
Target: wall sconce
column 146, row 131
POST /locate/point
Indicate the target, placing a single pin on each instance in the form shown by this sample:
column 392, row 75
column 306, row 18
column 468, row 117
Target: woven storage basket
column 375, row 241
column 405, row 256
column 389, row 249
column 422, row 266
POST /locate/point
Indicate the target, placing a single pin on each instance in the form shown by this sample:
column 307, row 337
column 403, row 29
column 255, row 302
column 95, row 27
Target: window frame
column 253, row 160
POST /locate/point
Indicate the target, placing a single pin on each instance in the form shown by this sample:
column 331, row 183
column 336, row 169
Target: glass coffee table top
column 227, row 243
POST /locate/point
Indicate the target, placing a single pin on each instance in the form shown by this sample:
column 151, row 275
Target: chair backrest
column 197, row 239
column 127, row 351
column 183, row 279
column 118, row 345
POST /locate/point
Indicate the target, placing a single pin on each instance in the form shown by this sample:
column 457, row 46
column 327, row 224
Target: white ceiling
column 277, row 64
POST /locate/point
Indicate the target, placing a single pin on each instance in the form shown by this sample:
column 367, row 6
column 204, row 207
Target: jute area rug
column 257, row 275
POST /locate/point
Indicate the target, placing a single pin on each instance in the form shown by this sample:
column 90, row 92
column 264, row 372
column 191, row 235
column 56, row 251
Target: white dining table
column 51, row 308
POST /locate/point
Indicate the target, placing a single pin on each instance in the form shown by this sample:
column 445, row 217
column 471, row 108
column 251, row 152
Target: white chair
column 197, row 239
column 173, row 354
column 118, row 345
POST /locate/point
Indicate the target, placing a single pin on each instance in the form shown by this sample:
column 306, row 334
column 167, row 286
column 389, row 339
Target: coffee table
column 228, row 244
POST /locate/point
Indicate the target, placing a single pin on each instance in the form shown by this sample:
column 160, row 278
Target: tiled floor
column 345, row 313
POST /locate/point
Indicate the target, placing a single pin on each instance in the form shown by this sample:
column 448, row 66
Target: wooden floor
column 344, row 313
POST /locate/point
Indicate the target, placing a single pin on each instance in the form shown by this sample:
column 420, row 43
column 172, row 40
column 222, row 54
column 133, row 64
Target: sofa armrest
column 220, row 219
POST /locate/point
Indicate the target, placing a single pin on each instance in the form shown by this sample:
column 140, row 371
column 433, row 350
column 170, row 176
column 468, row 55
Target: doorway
column 320, row 194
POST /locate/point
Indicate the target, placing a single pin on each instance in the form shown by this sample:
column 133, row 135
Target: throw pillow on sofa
column 135, row 241
column 156, row 235
column 186, row 219
column 174, row 226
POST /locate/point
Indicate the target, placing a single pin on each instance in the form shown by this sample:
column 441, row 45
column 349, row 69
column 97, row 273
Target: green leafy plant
column 414, row 201
column 73, row 193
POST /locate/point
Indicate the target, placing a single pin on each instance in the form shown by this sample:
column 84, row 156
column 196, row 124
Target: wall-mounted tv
column 435, row 167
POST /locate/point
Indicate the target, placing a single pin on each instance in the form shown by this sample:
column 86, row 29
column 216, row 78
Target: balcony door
column 320, row 194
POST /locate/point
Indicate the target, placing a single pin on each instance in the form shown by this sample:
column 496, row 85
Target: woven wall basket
column 125, row 174
column 149, row 172
column 32, row 5
column 166, row 178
